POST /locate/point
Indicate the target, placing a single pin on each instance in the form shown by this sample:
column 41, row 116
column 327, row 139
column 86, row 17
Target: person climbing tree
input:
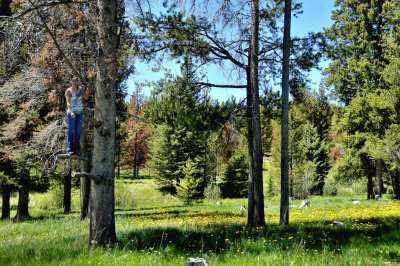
column 74, row 96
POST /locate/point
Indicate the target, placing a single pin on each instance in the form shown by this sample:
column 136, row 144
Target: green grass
column 155, row 229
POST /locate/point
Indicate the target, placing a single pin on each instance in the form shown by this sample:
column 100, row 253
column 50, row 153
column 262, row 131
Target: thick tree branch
column 222, row 50
column 68, row 156
column 219, row 85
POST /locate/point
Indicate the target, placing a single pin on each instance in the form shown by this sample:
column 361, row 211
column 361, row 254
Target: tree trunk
column 250, row 197
column 23, row 198
column 5, row 209
column 284, row 208
column 102, row 220
column 259, row 219
column 135, row 161
column 67, row 191
column 85, row 167
column 378, row 184
column 85, row 194
column 118, row 157
column 370, row 187
column 368, row 170
column 396, row 184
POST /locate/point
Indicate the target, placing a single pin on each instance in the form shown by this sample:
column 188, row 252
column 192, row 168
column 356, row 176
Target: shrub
column 124, row 196
column 212, row 191
column 54, row 198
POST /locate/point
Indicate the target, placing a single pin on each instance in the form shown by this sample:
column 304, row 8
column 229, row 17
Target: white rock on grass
column 304, row 204
column 196, row 262
column 338, row 223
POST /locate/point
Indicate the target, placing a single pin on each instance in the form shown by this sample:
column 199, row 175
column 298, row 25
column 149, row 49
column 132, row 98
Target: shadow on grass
column 219, row 238
column 142, row 211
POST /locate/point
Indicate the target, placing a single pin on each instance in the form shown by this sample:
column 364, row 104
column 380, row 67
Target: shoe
column 78, row 153
column 70, row 153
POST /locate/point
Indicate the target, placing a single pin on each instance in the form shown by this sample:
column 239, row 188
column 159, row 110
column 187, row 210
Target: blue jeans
column 74, row 132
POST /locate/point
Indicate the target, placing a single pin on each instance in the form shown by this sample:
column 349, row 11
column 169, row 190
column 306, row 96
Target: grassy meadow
column 156, row 229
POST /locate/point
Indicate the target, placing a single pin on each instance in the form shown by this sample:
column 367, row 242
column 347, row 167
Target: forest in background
column 343, row 134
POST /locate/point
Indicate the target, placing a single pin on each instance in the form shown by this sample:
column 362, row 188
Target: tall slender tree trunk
column 396, row 184
column 118, row 156
column 368, row 170
column 135, row 156
column 249, row 100
column 259, row 218
column 23, row 198
column 135, row 161
column 5, row 195
column 102, row 219
column 85, row 167
column 370, row 187
column 67, row 190
column 378, row 184
column 284, row 209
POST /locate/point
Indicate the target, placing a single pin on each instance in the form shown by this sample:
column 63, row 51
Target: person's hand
column 72, row 114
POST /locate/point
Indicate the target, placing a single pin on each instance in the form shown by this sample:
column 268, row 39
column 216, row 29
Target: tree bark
column 249, row 100
column 259, row 218
column 135, row 161
column 5, row 209
column 396, row 184
column 368, row 170
column 284, row 208
column 378, row 184
column 23, row 198
column 85, row 167
column 67, row 191
column 102, row 220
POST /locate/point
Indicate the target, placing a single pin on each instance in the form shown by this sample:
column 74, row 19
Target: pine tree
column 184, row 118
column 234, row 182
column 358, row 49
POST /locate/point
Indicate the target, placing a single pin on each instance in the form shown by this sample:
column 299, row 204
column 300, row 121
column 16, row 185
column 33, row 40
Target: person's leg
column 78, row 125
column 70, row 136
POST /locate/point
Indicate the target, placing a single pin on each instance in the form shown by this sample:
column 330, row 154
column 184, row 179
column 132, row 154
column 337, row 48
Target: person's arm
column 68, row 99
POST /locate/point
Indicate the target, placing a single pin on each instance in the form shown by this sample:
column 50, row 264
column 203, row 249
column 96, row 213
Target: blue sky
column 316, row 16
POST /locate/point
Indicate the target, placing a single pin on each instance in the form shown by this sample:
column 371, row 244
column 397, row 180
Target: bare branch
column 220, row 85
column 53, row 37
column 35, row 8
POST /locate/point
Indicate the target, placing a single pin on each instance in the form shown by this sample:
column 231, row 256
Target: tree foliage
column 185, row 117
column 234, row 181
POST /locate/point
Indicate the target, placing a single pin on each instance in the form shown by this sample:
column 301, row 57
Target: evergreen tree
column 234, row 182
column 359, row 38
column 185, row 118
column 188, row 187
column 307, row 161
